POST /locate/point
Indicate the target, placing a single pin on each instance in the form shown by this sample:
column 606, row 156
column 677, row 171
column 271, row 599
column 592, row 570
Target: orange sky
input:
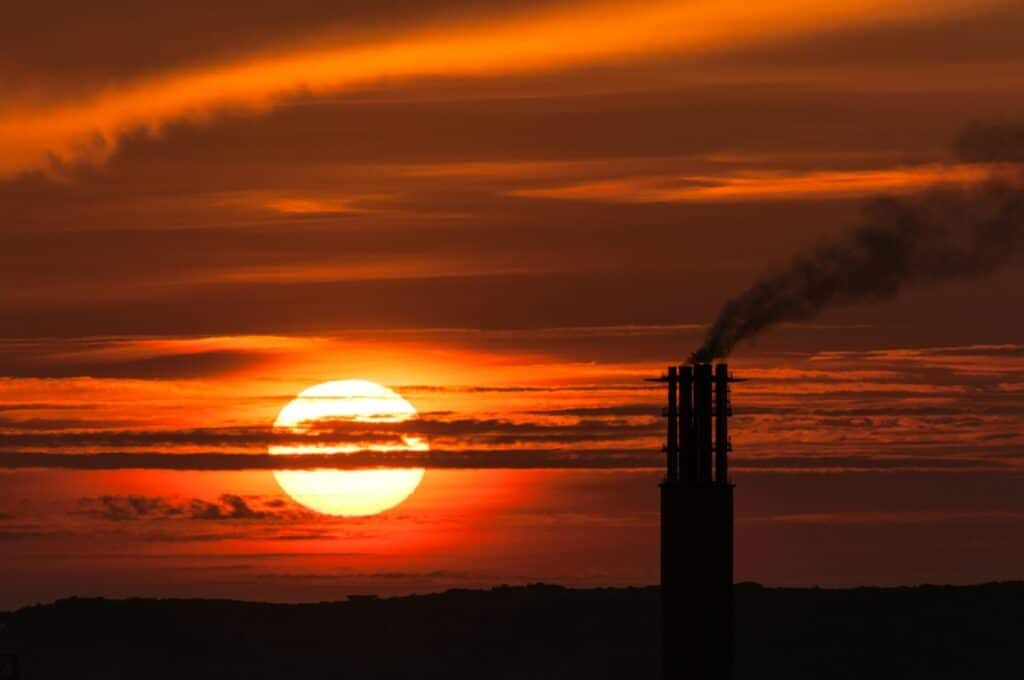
column 512, row 213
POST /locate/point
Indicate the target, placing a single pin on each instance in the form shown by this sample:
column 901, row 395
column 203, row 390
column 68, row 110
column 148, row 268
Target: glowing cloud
column 761, row 187
column 87, row 129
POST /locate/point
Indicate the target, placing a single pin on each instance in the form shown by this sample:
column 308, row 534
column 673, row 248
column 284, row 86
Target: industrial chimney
column 697, row 526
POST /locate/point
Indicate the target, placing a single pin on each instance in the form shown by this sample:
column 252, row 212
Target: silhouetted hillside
column 531, row 632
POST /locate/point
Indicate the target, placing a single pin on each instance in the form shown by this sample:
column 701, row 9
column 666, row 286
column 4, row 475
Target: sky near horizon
column 511, row 213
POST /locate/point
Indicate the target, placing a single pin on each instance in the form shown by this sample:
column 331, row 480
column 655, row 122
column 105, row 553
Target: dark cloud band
column 591, row 459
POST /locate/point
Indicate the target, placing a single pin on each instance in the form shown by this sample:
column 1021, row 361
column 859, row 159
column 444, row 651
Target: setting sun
column 347, row 493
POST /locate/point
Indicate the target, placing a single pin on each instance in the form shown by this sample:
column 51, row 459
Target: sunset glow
column 330, row 297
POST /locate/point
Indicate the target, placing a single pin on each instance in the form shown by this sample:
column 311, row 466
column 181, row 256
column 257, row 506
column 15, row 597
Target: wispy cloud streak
column 532, row 459
column 362, row 460
column 580, row 34
column 759, row 186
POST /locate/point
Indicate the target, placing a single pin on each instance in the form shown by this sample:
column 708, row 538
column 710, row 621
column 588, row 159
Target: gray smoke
column 943, row 235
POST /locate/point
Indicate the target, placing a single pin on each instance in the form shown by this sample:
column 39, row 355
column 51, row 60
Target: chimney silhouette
column 697, row 526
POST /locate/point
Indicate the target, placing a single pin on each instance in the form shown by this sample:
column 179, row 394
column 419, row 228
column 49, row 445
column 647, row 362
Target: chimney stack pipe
column 672, row 438
column 722, row 424
column 702, row 420
column 687, row 452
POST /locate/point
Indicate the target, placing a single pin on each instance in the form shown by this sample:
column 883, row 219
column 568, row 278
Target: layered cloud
column 88, row 127
column 154, row 508
column 765, row 187
column 952, row 408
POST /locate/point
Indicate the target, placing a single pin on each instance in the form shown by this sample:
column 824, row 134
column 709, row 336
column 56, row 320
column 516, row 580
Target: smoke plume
column 945, row 234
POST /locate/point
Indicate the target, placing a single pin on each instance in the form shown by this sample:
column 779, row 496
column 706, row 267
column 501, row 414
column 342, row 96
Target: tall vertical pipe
column 687, row 453
column 722, row 424
column 672, row 438
column 697, row 528
column 702, row 420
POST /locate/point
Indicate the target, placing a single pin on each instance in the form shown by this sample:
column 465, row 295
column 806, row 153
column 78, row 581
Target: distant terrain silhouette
column 537, row 631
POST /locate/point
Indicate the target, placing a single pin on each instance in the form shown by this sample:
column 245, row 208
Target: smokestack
column 722, row 413
column 697, row 527
column 687, row 452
